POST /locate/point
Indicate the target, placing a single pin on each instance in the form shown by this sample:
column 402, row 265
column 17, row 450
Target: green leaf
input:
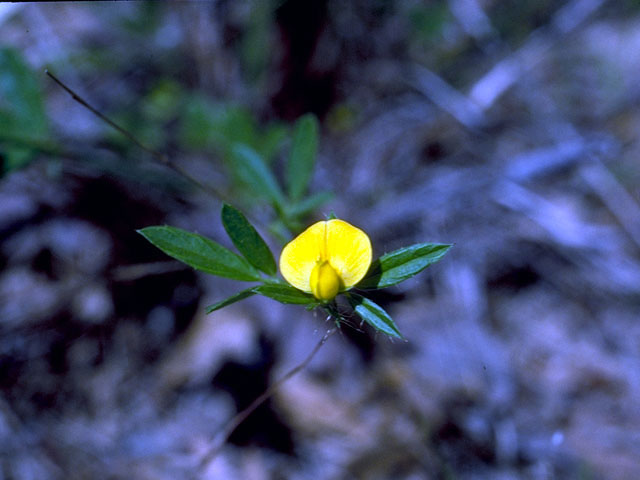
column 285, row 294
column 247, row 240
column 374, row 315
column 252, row 170
column 271, row 140
column 205, row 124
column 22, row 112
column 398, row 266
column 232, row 299
column 200, row 253
column 303, row 154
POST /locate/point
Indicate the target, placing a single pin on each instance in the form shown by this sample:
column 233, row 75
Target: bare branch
column 158, row 156
column 614, row 196
column 224, row 435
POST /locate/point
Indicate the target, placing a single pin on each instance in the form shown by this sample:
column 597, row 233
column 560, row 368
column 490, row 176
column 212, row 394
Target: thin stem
column 159, row 156
column 223, row 436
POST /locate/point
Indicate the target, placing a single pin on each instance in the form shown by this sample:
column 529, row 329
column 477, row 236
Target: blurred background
column 509, row 128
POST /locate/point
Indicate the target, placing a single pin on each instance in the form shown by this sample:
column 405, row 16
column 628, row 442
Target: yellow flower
column 327, row 258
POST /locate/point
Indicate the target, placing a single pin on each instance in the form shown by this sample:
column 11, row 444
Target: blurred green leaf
column 303, row 154
column 398, row 266
column 146, row 130
column 270, row 141
column 200, row 252
column 232, row 299
column 22, row 111
column 374, row 315
column 144, row 20
column 428, row 19
column 205, row 124
column 256, row 46
column 285, row 294
column 163, row 101
column 308, row 204
column 247, row 240
column 251, row 169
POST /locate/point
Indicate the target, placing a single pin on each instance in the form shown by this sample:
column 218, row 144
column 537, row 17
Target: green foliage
column 247, row 240
column 163, row 101
column 208, row 125
column 157, row 109
column 280, row 292
column 402, row 264
column 428, row 20
column 250, row 153
column 302, row 156
column 247, row 152
column 200, row 253
column 145, row 20
column 208, row 256
column 285, row 293
column 249, row 292
column 374, row 315
column 256, row 43
column 22, row 114
column 256, row 175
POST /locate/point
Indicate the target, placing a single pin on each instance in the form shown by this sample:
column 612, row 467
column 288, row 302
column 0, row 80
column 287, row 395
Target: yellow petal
column 348, row 251
column 345, row 249
column 325, row 282
column 300, row 256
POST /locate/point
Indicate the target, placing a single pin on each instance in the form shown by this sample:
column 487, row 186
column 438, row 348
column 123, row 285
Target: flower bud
column 324, row 281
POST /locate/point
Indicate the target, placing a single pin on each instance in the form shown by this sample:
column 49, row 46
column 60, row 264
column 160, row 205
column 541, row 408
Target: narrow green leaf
column 398, row 266
column 374, row 315
column 285, row 294
column 232, row 299
column 200, row 252
column 270, row 142
column 303, row 155
column 247, row 240
column 252, row 170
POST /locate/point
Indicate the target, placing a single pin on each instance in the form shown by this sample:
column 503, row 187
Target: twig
column 447, row 97
column 224, row 435
column 614, row 196
column 472, row 18
column 470, row 109
column 160, row 157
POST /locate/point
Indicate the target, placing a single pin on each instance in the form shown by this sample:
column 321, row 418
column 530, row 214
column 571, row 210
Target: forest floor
column 509, row 129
